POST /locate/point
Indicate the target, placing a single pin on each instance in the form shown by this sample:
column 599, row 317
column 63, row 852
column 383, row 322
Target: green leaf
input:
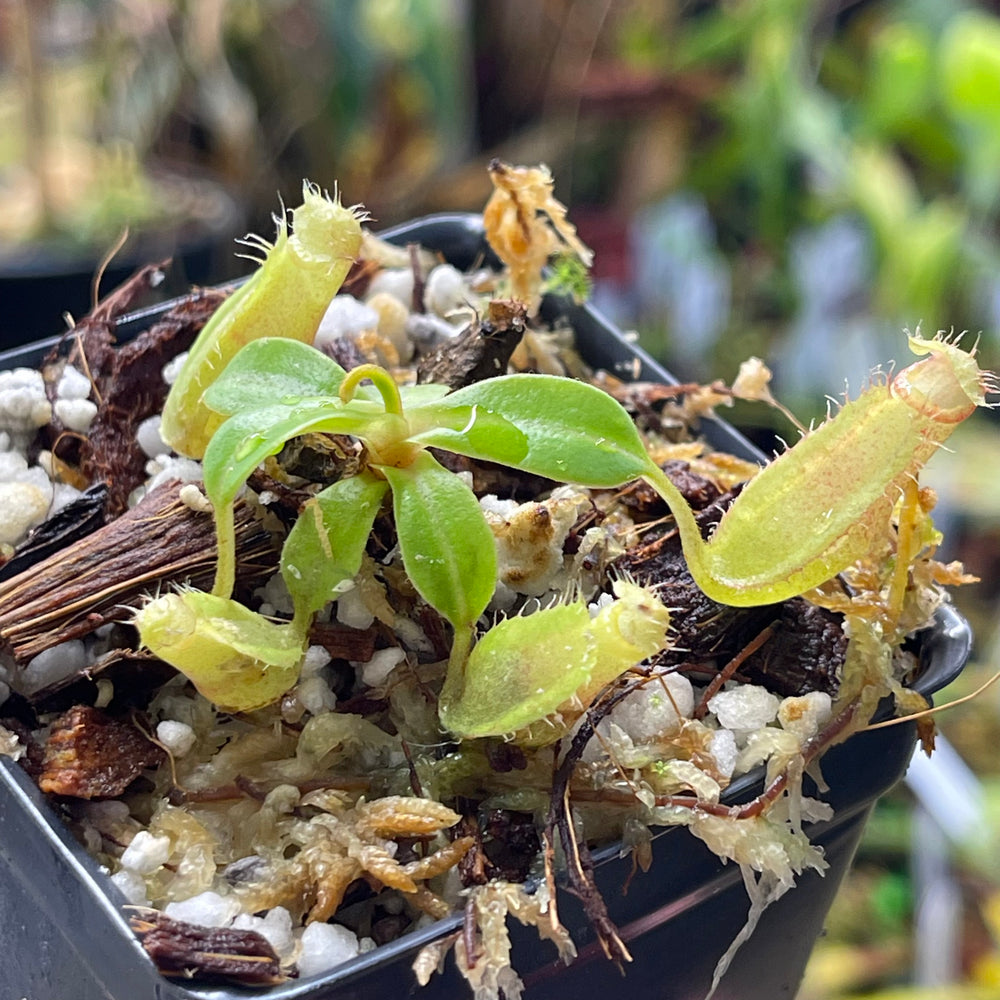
column 419, row 395
column 970, row 67
column 467, row 430
column 273, row 370
column 327, row 542
column 447, row 546
column 250, row 436
column 575, row 433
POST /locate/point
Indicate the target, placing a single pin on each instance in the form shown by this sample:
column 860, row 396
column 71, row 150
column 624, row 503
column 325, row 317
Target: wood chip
column 189, row 951
column 481, row 351
column 91, row 755
column 129, row 387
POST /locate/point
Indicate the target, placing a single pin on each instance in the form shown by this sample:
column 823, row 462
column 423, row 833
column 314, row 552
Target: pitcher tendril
column 382, row 381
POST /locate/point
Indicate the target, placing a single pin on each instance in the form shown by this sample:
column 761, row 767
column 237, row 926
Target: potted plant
column 496, row 750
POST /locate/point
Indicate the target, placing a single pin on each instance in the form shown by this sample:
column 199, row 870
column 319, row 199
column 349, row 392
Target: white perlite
column 72, row 384
column 173, row 368
column 146, row 853
column 53, row 665
column 76, row 414
column 654, row 708
column 22, row 506
column 382, row 663
column 344, row 317
column 23, row 404
column 148, row 436
column 394, row 281
column 275, row 926
column 163, row 468
column 177, row 737
column 352, row 610
column 746, row 707
column 805, row 714
column 325, row 946
column 26, row 496
column 132, row 886
column 315, row 695
column 207, row 909
column 530, row 538
column 446, row 290
column 722, row 747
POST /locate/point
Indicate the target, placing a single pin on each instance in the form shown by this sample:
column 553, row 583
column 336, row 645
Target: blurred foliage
column 847, row 158
column 84, row 90
column 844, row 156
column 102, row 102
column 881, row 118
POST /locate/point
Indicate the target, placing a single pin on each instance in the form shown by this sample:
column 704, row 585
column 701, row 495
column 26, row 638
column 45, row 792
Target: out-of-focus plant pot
column 42, row 281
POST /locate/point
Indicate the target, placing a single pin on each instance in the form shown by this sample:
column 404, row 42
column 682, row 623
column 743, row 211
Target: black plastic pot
column 41, row 282
column 66, row 934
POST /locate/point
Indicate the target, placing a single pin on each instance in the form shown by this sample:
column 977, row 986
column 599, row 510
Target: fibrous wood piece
column 129, row 388
column 99, row 578
column 481, row 351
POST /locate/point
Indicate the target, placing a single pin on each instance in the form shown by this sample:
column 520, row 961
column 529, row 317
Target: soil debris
column 483, row 350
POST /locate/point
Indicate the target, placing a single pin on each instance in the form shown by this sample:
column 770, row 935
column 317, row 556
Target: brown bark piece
column 91, row 755
column 189, row 951
column 74, row 521
column 806, row 653
column 481, row 351
column 343, row 642
column 131, row 388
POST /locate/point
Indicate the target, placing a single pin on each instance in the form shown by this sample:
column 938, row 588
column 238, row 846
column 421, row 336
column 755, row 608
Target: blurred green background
column 792, row 179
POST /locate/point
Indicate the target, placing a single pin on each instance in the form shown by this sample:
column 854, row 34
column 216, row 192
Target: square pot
column 66, row 933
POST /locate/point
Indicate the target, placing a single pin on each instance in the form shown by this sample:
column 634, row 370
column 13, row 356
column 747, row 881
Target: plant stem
column 691, row 540
column 225, row 566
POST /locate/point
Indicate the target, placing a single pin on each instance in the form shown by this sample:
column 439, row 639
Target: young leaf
column 326, row 543
column 273, row 370
column 467, row 430
column 418, row 395
column 447, row 547
column 575, row 432
column 250, row 436
column 247, row 438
